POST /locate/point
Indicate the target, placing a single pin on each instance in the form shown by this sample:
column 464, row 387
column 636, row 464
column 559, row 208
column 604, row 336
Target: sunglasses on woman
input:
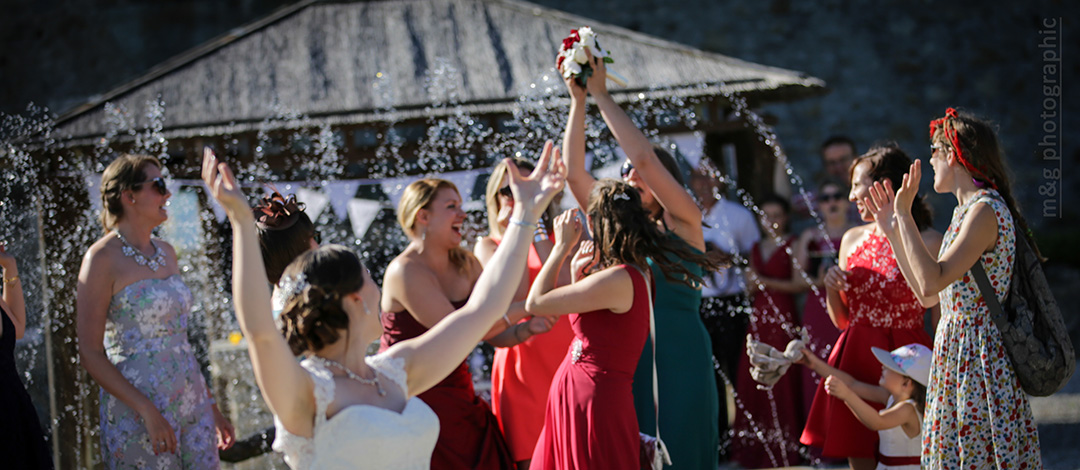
column 829, row 197
column 624, row 171
column 158, row 184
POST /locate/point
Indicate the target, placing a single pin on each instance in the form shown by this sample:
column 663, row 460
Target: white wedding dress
column 362, row 436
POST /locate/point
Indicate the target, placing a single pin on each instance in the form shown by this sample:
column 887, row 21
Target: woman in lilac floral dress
column 977, row 416
column 156, row 410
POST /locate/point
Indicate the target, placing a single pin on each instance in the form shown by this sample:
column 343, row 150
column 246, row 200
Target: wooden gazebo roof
column 323, row 59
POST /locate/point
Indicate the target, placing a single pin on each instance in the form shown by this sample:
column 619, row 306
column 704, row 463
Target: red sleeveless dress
column 469, row 436
column 883, row 313
column 521, row 376
column 590, row 422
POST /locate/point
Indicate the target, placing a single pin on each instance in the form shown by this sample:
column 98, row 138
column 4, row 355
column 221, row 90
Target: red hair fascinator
column 277, row 212
column 946, row 126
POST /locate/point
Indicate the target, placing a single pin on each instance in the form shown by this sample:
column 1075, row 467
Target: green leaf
column 609, row 60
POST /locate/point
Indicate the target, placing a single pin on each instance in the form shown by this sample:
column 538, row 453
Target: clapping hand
column 836, row 279
column 567, row 228
column 532, row 193
column 583, row 261
column 222, row 185
column 885, row 204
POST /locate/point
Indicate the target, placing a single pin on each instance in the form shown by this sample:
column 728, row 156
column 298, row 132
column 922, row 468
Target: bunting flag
column 691, row 146
column 315, row 202
column 340, row 192
column 393, row 187
column 464, row 180
column 362, row 212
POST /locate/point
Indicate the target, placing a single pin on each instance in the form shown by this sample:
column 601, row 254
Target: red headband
column 954, row 140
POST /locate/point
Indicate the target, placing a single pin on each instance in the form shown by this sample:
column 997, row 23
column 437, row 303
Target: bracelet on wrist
column 522, row 223
column 507, row 320
column 9, row 280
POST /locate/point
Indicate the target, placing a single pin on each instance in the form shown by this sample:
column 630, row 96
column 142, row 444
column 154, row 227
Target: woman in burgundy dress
column 817, row 250
column 872, row 304
column 590, row 422
column 775, row 414
column 429, row 280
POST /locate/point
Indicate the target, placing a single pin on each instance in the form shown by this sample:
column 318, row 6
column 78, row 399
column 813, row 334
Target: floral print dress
column 146, row 338
column 977, row 416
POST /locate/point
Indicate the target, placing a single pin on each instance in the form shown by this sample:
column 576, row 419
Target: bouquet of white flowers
column 574, row 62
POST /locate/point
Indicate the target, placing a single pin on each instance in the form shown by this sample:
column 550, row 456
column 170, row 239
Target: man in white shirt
column 725, row 306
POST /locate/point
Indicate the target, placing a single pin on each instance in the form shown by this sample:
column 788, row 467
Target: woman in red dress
column 525, row 360
column 872, row 304
column 426, row 282
column 590, row 422
column 776, row 414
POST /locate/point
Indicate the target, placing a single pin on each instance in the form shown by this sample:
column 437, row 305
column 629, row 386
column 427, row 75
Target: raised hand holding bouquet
column 573, row 60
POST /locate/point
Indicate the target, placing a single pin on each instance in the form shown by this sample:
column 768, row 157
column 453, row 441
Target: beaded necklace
column 157, row 260
column 350, row 374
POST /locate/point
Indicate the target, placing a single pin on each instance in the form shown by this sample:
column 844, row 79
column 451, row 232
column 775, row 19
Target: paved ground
column 1058, row 417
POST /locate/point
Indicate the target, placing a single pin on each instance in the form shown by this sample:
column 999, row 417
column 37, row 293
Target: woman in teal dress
column 687, row 388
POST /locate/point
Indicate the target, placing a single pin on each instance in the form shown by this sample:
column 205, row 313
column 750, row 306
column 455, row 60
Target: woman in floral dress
column 977, row 416
column 156, row 410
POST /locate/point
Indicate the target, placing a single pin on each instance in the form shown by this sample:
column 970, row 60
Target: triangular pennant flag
column 464, row 180
column 93, row 188
column 314, row 202
column 340, row 193
column 691, row 146
column 362, row 213
column 393, row 187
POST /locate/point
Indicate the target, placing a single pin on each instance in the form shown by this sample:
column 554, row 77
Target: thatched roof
column 323, row 59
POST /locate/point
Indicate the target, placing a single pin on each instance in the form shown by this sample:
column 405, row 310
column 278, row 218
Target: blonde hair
column 419, row 195
column 124, row 173
column 491, row 193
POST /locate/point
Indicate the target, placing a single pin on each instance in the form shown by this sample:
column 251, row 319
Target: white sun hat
column 912, row 360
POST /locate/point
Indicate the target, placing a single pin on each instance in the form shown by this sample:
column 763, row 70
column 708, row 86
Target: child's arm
column 864, row 390
column 899, row 415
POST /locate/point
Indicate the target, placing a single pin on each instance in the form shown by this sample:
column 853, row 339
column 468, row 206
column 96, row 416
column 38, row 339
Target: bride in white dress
column 338, row 409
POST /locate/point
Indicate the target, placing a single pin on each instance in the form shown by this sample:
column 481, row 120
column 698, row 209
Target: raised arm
column 684, row 214
column 285, row 385
column 434, row 354
column 14, row 303
column 930, row 274
column 577, row 177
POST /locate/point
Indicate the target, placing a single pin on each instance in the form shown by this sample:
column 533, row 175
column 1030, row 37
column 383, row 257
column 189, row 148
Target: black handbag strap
column 988, row 292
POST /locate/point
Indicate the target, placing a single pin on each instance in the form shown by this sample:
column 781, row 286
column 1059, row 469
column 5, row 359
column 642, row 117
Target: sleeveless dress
column 521, row 376
column 23, row 443
column 689, row 406
column 777, row 414
column 897, row 451
column 589, row 422
column 883, row 312
column 815, row 320
column 469, row 436
column 362, row 436
column 977, row 416
column 146, row 338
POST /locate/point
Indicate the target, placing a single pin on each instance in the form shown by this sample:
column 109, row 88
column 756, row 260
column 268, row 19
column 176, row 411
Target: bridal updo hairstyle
column 624, row 233
column 284, row 230
column 313, row 316
column 126, row 172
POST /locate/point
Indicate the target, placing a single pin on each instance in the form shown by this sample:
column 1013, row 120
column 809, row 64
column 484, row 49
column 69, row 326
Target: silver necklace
column 157, row 260
column 353, row 375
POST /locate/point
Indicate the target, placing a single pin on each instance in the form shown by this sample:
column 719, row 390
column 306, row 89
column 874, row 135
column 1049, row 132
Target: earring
column 423, row 234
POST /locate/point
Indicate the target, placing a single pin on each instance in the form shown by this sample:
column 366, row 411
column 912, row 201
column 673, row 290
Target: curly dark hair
column 624, row 233
column 313, row 316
